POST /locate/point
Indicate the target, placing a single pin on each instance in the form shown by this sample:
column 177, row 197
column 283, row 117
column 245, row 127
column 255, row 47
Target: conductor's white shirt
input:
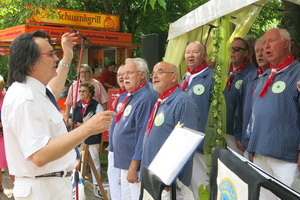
column 29, row 120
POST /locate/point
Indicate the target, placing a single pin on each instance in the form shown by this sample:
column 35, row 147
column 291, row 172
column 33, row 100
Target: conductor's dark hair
column 24, row 52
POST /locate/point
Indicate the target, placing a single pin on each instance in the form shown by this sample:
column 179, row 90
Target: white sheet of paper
column 175, row 152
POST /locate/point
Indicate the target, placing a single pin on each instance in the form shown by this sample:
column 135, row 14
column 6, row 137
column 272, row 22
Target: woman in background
column 86, row 107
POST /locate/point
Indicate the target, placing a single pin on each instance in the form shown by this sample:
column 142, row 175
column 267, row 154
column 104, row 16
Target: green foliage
column 203, row 192
column 4, row 67
column 269, row 17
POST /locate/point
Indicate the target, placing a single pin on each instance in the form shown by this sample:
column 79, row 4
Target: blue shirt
column 231, row 96
column 113, row 123
column 275, row 130
column 200, row 91
column 244, row 107
column 128, row 133
column 178, row 107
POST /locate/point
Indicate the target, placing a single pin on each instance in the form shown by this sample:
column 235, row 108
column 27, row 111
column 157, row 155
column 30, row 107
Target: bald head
column 276, row 43
column 195, row 54
column 165, row 76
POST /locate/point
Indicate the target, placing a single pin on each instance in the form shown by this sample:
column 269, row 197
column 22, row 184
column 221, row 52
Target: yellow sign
column 78, row 19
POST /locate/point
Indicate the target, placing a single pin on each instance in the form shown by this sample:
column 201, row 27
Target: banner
column 76, row 18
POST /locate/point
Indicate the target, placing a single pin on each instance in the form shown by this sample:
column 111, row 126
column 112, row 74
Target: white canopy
column 205, row 14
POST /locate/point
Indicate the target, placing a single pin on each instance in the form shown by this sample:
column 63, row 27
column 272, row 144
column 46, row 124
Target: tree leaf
column 152, row 3
column 162, row 3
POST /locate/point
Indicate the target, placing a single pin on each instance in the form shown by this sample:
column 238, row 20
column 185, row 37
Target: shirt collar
column 36, row 84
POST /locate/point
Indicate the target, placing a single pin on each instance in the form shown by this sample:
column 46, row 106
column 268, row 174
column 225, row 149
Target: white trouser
column 114, row 176
column 284, row 171
column 94, row 150
column 46, row 188
column 199, row 175
column 230, row 139
column 129, row 191
column 182, row 192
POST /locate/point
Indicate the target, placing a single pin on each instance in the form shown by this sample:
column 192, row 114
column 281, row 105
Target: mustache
column 127, row 81
column 261, row 58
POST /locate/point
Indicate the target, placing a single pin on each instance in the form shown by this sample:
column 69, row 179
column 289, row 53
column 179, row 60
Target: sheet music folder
column 175, row 153
column 264, row 173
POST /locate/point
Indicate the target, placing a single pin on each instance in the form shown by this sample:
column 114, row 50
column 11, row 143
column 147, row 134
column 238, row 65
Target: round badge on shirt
column 159, row 119
column 118, row 106
column 199, row 89
column 278, row 87
column 238, row 84
column 127, row 110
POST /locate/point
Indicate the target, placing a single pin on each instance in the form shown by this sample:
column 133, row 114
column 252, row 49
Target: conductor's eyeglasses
column 51, row 54
column 237, row 49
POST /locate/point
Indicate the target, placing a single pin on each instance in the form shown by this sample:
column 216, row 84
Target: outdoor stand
column 86, row 156
column 87, row 159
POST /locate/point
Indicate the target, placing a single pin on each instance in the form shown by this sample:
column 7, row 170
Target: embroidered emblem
column 199, row 89
column 278, row 87
column 127, row 110
column 159, row 119
column 238, row 84
column 119, row 106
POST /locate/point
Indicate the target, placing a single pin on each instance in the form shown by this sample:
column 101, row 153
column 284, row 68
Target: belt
column 55, row 174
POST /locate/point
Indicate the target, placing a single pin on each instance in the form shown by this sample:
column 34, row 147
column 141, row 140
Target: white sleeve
column 99, row 108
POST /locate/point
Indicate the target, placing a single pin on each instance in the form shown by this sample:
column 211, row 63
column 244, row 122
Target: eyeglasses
column 85, row 72
column 120, row 74
column 131, row 72
column 237, row 49
column 51, row 54
column 82, row 91
column 160, row 73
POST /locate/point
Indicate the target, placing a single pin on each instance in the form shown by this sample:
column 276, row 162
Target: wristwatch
column 64, row 64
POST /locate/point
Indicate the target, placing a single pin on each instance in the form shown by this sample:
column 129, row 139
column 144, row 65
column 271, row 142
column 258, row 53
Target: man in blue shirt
column 244, row 109
column 173, row 106
column 197, row 83
column 275, row 129
column 113, row 173
column 131, row 121
column 239, row 68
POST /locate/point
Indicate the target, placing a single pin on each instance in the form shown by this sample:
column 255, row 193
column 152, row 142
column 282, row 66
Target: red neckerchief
column 114, row 103
column 85, row 105
column 260, row 71
column 160, row 99
column 124, row 103
column 191, row 72
column 274, row 71
column 233, row 71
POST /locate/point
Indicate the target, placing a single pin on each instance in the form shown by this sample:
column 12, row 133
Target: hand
column 67, row 44
column 132, row 176
column 239, row 145
column 298, row 85
column 100, row 122
column 251, row 157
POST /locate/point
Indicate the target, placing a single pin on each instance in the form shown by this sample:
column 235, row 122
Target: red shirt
column 108, row 77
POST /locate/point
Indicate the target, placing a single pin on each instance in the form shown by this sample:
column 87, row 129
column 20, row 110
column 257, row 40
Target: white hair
column 140, row 63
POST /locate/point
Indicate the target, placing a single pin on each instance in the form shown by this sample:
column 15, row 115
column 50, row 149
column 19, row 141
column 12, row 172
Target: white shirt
column 29, row 120
column 196, row 74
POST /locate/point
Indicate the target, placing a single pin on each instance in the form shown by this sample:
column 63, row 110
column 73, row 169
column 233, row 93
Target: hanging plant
column 216, row 123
